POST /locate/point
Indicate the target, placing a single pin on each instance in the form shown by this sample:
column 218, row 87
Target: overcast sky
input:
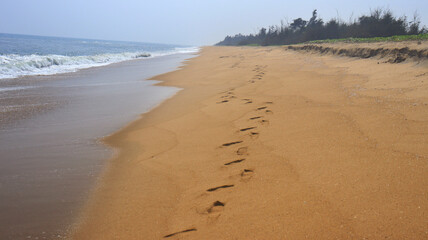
column 188, row 22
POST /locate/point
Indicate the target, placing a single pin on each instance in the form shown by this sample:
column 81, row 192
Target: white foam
column 13, row 65
column 6, row 89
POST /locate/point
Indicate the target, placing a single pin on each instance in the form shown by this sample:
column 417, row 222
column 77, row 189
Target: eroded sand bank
column 265, row 143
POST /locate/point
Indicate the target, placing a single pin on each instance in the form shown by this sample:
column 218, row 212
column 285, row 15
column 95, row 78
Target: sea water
column 24, row 55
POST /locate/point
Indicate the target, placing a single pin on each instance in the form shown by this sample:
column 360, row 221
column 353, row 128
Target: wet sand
column 266, row 143
column 50, row 128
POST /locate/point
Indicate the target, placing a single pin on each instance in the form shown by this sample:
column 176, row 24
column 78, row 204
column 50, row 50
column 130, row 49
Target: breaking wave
column 15, row 65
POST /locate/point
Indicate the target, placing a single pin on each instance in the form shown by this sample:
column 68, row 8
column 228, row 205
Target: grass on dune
column 397, row 38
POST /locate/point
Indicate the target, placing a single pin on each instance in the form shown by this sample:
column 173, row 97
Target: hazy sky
column 189, row 22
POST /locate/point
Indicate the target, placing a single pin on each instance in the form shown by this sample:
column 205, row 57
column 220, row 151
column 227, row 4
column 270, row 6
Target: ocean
column 24, row 55
column 58, row 98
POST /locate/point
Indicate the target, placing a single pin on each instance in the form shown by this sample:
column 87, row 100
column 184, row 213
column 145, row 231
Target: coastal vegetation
column 396, row 38
column 379, row 25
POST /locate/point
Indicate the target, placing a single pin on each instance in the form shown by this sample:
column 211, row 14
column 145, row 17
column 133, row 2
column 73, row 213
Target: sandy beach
column 271, row 143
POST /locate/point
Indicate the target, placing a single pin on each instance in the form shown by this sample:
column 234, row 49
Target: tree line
column 379, row 23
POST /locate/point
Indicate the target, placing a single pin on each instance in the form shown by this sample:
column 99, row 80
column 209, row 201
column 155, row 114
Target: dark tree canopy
column 379, row 23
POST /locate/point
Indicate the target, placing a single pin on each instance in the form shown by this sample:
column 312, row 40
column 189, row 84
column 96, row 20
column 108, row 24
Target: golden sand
column 269, row 143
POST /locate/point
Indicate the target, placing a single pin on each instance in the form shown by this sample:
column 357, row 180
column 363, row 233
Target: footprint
column 219, row 187
column 184, row 231
column 242, row 150
column 233, row 162
column 268, row 111
column 216, row 206
column 264, row 121
column 246, row 129
column 254, row 134
column 224, row 101
column 261, row 108
column 230, row 143
column 246, row 174
column 253, row 118
column 269, row 102
column 218, row 203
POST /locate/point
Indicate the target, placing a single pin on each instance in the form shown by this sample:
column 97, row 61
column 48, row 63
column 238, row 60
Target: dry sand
column 269, row 143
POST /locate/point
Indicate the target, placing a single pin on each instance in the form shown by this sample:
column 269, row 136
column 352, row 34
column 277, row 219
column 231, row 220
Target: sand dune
column 386, row 52
column 265, row 143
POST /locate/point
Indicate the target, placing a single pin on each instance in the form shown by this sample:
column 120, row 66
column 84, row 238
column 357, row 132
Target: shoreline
column 266, row 143
column 113, row 143
column 106, row 140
